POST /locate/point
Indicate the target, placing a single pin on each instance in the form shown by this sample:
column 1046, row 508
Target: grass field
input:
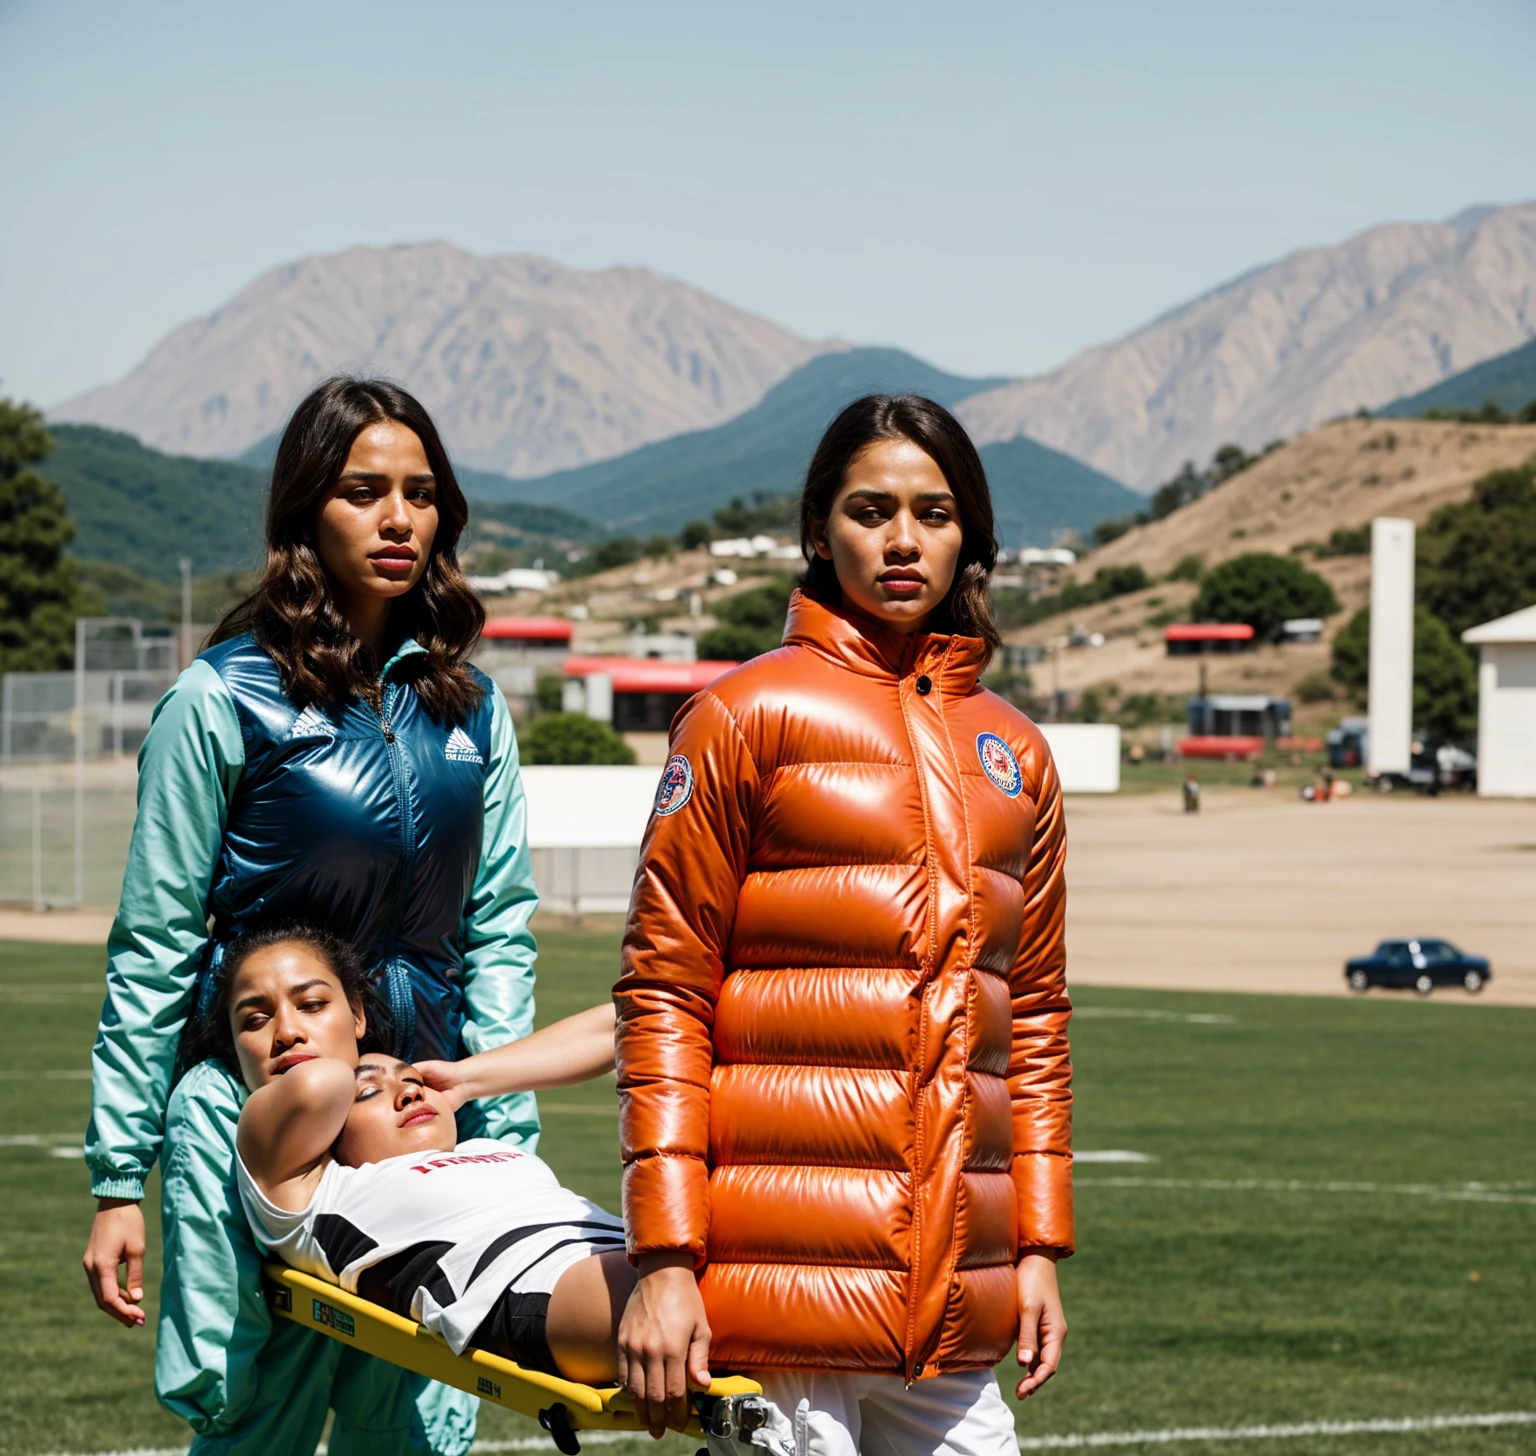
column 1338, row 1221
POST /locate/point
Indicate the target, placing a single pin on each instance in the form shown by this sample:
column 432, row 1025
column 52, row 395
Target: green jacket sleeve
column 188, row 769
column 499, row 948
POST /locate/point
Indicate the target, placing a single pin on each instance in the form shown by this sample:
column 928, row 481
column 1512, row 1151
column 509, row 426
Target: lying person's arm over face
column 288, row 1126
column 574, row 1049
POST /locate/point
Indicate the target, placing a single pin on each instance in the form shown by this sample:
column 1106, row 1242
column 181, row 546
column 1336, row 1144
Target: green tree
column 549, row 692
column 750, row 623
column 40, row 593
column 1444, row 675
column 1262, row 590
column 572, row 738
column 1477, row 559
column 696, row 534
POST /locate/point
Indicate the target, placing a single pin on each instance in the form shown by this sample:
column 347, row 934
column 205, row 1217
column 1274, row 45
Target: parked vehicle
column 1420, row 964
column 1433, row 767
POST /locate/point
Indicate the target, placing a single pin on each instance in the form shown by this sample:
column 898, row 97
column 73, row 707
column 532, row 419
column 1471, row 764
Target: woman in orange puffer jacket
column 845, row 1104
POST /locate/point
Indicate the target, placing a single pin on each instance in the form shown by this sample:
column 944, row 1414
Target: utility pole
column 185, row 655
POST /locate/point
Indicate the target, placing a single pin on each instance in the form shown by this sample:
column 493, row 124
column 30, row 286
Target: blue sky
column 992, row 186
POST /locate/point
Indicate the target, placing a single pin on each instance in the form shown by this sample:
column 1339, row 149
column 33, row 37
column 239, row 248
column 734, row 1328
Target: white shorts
column 880, row 1415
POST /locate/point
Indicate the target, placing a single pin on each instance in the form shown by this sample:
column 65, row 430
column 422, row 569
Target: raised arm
column 574, row 1049
column 288, row 1126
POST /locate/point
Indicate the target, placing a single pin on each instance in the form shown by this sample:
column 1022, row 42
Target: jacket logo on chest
column 999, row 763
column 460, row 748
column 676, row 786
column 312, row 723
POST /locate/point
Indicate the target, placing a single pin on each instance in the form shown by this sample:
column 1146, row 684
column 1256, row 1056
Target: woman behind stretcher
column 332, row 757
column 842, row 1019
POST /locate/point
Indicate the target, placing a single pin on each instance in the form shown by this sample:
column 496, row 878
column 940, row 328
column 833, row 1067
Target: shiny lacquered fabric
column 843, row 1070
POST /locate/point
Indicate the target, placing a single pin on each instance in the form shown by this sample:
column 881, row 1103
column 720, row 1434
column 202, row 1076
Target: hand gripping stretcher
column 731, row 1415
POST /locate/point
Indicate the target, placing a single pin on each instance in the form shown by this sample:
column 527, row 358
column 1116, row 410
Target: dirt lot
column 1258, row 892
column 1266, row 893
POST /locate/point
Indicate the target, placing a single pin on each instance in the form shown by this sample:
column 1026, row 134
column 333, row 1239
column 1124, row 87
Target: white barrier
column 1087, row 756
column 606, row 807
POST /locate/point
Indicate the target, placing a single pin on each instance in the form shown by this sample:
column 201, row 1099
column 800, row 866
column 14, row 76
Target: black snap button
column 924, row 685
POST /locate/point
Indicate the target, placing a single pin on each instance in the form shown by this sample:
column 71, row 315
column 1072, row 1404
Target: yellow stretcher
column 726, row 1410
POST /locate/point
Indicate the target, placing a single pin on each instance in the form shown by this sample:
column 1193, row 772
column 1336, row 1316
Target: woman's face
column 394, row 1112
column 893, row 535
column 375, row 527
column 285, row 1007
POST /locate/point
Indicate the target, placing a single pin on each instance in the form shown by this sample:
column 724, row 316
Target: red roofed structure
column 541, row 630
column 647, row 691
column 1191, row 638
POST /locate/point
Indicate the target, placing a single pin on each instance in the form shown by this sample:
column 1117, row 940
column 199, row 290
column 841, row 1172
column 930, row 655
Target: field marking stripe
column 69, row 1074
column 1404, row 1426
column 1385, row 1426
column 1297, row 1185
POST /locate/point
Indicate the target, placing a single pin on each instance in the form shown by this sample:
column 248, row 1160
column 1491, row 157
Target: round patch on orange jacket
column 676, row 786
column 999, row 764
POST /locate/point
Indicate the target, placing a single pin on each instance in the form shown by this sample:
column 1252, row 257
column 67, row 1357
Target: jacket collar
column 409, row 648
column 863, row 645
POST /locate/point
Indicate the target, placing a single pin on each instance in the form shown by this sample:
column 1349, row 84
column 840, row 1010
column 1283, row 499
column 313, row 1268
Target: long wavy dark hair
column 212, row 1036
column 967, row 609
column 293, row 612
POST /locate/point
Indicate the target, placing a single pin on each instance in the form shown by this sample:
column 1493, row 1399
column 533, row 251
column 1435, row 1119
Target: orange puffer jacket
column 843, row 1071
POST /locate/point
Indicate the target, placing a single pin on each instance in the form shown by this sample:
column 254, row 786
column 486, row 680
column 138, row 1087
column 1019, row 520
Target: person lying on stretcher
column 350, row 1169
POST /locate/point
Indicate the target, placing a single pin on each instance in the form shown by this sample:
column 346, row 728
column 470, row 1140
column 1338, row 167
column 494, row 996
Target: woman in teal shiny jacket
column 332, row 757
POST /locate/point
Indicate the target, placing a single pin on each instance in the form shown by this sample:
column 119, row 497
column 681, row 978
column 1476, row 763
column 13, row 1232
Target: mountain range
column 1318, row 334
column 1038, row 492
column 540, row 372
column 527, row 365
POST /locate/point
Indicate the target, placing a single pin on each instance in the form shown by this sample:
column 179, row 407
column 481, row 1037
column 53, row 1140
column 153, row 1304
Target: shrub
column 1188, row 568
column 1263, row 590
column 572, row 738
column 547, row 692
column 696, row 534
column 1315, row 687
column 750, row 624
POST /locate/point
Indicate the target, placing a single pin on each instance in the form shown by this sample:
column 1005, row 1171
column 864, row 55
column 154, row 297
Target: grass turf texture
column 1189, row 1306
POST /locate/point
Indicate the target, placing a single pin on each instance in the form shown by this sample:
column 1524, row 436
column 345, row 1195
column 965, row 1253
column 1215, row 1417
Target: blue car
column 1420, row 964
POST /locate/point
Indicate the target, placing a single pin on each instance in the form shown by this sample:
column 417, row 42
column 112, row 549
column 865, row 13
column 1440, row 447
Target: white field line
column 70, row 1074
column 1087, row 1440
column 1472, row 1193
column 1128, row 1013
column 36, row 1139
column 53, row 988
column 1110, row 1155
column 1405, row 1426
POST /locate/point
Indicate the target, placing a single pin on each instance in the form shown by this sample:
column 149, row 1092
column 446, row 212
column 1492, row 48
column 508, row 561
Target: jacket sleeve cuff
column 1043, row 1183
column 118, row 1185
column 666, row 1206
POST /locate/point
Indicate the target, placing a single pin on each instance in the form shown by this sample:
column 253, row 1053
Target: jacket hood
column 863, row 645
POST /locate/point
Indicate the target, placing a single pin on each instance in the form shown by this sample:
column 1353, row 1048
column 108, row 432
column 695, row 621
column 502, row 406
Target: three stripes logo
column 312, row 723
column 461, row 749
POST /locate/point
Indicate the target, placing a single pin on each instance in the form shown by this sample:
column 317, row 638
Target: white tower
column 1391, row 664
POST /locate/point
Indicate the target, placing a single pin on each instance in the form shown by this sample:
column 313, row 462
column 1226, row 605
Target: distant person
column 844, row 1079
column 1191, row 793
column 331, row 757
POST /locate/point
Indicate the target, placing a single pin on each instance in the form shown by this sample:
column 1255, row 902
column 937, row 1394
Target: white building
column 1506, row 705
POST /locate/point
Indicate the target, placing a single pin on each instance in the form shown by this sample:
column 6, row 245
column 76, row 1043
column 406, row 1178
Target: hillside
column 1039, row 492
column 138, row 508
column 1284, row 347
column 528, row 366
column 1338, row 476
column 1509, row 381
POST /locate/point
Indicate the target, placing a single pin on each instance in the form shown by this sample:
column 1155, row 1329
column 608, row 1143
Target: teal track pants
column 250, row 1385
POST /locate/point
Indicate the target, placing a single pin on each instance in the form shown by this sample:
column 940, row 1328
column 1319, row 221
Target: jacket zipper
column 914, row 1371
column 407, row 841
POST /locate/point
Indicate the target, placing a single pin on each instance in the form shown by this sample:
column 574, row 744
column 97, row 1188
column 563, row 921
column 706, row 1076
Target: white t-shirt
column 438, row 1236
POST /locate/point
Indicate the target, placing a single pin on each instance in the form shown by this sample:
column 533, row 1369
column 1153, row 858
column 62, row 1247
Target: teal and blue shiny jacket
column 405, row 835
